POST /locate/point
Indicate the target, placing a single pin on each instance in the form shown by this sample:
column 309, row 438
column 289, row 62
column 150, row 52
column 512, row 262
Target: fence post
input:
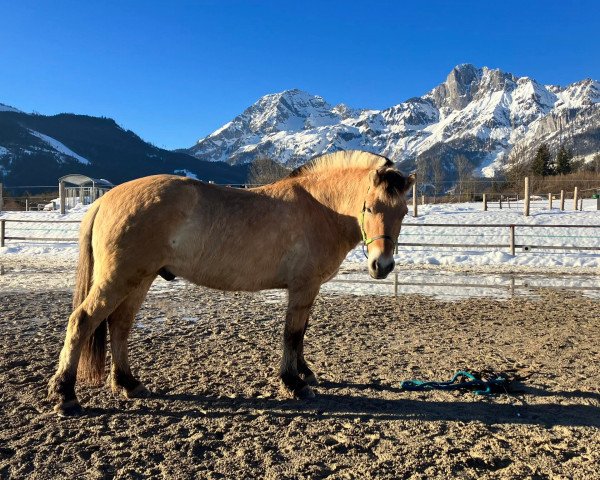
column 395, row 284
column 2, row 231
column 414, row 200
column 598, row 201
column 500, row 203
column 526, row 205
column 1, row 199
column 575, row 199
column 562, row 200
column 422, row 199
column 550, row 201
column 484, row 202
column 512, row 239
column 581, row 204
column 61, row 194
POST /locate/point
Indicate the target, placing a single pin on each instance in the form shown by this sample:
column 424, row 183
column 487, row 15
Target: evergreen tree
column 541, row 164
column 264, row 170
column 563, row 161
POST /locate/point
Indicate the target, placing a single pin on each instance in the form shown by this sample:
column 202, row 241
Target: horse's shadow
column 487, row 410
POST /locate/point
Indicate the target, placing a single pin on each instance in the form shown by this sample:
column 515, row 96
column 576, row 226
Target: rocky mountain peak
column 456, row 92
column 478, row 112
column 290, row 110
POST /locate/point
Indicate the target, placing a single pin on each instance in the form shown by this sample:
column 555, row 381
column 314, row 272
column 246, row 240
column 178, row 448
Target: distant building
column 76, row 189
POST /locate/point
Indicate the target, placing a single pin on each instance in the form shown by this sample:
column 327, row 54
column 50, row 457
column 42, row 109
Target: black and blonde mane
column 341, row 160
column 391, row 179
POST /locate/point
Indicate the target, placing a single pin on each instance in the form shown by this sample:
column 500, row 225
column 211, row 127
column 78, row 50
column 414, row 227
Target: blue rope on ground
column 461, row 381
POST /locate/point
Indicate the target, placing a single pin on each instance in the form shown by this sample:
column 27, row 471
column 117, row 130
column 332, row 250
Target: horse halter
column 367, row 241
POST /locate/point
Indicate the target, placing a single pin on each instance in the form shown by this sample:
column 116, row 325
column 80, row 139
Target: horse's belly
column 235, row 282
column 232, row 262
column 230, row 275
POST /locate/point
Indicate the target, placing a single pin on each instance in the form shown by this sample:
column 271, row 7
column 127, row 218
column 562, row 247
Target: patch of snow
column 579, row 94
column 60, row 147
column 8, row 108
column 186, row 173
column 470, row 213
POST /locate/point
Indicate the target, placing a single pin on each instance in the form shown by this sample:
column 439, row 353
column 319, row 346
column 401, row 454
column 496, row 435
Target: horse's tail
column 93, row 353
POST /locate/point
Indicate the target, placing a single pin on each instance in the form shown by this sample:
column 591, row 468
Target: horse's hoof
column 68, row 409
column 305, row 393
column 311, row 380
column 138, row 392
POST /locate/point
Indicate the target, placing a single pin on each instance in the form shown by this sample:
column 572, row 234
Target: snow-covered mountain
column 481, row 113
column 7, row 108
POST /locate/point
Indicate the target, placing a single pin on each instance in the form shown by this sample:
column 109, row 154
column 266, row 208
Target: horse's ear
column 374, row 177
column 379, row 175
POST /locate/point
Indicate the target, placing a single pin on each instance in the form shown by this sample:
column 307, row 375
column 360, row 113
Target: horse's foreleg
column 303, row 369
column 82, row 323
column 298, row 311
column 119, row 324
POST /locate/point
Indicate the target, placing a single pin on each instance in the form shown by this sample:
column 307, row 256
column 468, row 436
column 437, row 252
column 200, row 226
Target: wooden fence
column 511, row 231
column 526, row 198
column 4, row 236
column 509, row 243
column 511, row 234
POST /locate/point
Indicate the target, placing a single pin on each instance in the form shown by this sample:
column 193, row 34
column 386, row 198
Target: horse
column 292, row 234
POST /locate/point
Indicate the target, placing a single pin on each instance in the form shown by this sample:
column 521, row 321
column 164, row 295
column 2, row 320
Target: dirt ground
column 211, row 359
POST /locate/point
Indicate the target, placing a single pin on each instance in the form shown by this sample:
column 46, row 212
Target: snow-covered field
column 499, row 258
column 413, row 231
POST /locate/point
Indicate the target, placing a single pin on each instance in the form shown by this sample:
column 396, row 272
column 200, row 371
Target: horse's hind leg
column 119, row 324
column 85, row 319
column 298, row 311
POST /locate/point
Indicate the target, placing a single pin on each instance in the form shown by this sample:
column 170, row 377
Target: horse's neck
column 343, row 197
column 342, row 194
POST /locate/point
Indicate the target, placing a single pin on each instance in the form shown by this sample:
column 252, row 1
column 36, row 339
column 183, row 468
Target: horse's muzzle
column 379, row 270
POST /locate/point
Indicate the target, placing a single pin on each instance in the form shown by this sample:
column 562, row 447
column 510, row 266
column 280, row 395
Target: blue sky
column 175, row 71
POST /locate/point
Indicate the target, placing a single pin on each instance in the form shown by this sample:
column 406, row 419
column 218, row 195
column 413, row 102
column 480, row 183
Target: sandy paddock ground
column 212, row 358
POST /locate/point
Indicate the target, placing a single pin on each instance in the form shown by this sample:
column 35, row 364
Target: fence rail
column 512, row 233
column 4, row 236
column 511, row 244
column 510, row 287
column 17, row 220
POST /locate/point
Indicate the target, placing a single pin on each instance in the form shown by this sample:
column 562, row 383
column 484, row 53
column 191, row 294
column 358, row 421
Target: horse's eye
column 368, row 210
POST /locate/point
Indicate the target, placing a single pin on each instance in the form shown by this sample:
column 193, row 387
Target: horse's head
column 381, row 216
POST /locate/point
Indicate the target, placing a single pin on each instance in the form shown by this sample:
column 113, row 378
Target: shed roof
column 81, row 180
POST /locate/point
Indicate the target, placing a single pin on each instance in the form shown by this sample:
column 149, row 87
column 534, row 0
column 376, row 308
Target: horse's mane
column 343, row 159
column 394, row 183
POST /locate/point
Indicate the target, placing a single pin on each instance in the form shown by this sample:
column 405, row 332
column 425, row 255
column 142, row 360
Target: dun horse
column 292, row 234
